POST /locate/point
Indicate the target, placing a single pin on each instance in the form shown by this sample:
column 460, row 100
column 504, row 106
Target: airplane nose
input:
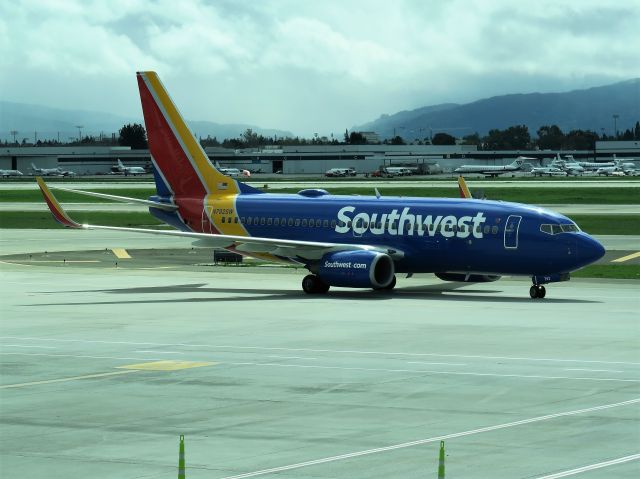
column 589, row 249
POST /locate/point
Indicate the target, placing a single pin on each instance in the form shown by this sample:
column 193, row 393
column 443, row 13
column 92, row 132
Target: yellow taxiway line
column 627, row 258
column 74, row 378
column 121, row 253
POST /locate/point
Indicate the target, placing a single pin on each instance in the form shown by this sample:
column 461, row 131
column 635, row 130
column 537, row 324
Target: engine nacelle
column 468, row 278
column 357, row 269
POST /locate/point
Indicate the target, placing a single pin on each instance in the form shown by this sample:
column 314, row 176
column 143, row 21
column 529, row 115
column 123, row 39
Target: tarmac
column 103, row 366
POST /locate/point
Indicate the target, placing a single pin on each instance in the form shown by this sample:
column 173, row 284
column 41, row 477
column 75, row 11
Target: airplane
column 569, row 166
column 130, row 170
column 51, row 171
column 492, row 171
column 548, row 171
column 343, row 240
column 7, row 173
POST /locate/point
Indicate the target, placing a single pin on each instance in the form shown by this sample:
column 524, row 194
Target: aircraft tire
column 537, row 292
column 311, row 284
column 542, row 292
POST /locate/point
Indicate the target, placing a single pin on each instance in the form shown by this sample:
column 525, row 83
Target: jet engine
column 357, row 269
column 468, row 278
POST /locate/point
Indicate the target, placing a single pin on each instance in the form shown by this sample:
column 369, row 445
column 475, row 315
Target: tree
column 443, row 139
column 472, row 140
column 133, row 135
column 550, row 137
column 397, row 140
column 356, row 138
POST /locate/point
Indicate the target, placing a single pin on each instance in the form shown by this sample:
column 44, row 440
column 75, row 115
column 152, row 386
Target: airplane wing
column 305, row 250
column 124, row 199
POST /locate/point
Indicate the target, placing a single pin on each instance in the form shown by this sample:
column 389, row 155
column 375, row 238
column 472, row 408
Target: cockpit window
column 557, row 229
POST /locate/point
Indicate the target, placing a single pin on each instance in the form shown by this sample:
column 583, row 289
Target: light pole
column 79, row 127
column 14, row 133
column 615, row 125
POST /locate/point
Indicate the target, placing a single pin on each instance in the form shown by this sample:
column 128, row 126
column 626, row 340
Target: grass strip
column 609, row 271
column 608, row 225
column 44, row 219
column 578, row 196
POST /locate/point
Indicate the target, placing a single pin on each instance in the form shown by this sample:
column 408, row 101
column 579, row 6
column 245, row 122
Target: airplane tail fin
column 180, row 164
column 462, row 186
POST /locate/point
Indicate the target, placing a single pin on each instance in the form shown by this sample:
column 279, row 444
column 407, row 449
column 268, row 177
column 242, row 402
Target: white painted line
column 80, row 356
column 159, row 352
column 430, row 440
column 293, row 357
column 330, row 351
column 424, row 371
column 74, row 378
column 572, row 472
column 595, row 370
column 444, row 364
column 24, row 346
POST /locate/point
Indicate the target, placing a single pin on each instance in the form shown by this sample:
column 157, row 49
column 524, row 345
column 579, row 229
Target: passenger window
column 487, row 228
column 290, row 222
column 304, row 222
column 333, row 224
column 262, row 221
column 494, row 230
column 269, row 221
column 297, row 222
column 223, row 218
column 325, row 223
column 255, row 220
column 229, row 219
column 249, row 220
column 235, row 220
column 242, row 220
column 276, row 222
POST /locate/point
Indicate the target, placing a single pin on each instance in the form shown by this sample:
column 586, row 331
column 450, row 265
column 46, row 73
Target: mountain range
column 588, row 109
column 54, row 123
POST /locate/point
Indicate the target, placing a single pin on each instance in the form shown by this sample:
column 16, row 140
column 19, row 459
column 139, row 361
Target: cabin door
column 207, row 214
column 511, row 228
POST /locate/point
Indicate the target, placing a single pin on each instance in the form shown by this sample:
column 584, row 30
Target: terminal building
column 305, row 160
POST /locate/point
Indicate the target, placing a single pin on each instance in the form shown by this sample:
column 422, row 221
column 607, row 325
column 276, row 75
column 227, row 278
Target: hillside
column 590, row 109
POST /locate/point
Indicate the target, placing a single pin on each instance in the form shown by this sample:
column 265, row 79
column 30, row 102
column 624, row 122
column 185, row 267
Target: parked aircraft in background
column 51, row 171
column 569, row 167
column 7, row 173
column 129, row 170
column 548, row 171
column 489, row 170
column 344, row 240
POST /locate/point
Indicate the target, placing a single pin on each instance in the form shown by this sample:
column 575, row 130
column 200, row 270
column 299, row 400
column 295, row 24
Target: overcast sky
column 309, row 66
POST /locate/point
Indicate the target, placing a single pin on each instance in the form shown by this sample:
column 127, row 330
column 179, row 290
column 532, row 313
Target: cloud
column 309, row 66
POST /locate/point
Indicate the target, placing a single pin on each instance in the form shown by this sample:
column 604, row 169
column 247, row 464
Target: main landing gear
column 311, row 284
column 537, row 291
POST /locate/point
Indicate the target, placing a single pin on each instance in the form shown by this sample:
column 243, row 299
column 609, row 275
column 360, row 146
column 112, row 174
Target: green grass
column 610, row 271
column 608, row 225
column 44, row 219
column 540, row 196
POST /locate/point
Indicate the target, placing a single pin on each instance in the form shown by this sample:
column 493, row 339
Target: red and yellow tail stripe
column 183, row 162
column 464, row 190
column 57, row 211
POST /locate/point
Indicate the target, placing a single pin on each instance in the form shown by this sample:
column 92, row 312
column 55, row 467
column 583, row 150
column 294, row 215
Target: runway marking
column 121, row 253
column 166, row 365
column 444, row 364
column 23, row 346
column 74, row 378
column 80, row 356
column 594, row 370
column 159, row 352
column 420, row 371
column 430, row 440
column 330, row 351
column 292, row 357
column 627, row 258
column 60, row 261
column 591, row 467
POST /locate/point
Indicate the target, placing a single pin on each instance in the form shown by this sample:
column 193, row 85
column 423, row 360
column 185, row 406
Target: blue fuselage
column 434, row 235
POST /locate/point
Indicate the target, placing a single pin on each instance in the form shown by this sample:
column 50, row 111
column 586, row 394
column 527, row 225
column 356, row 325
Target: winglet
column 462, row 186
column 58, row 213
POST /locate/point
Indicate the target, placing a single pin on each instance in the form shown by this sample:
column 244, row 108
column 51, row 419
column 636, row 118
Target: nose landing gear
column 537, row 291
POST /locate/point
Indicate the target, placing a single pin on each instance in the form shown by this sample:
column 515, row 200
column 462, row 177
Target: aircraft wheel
column 391, row 285
column 311, row 284
column 537, row 291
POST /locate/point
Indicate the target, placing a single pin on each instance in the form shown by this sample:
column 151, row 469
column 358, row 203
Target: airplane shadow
column 437, row 292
